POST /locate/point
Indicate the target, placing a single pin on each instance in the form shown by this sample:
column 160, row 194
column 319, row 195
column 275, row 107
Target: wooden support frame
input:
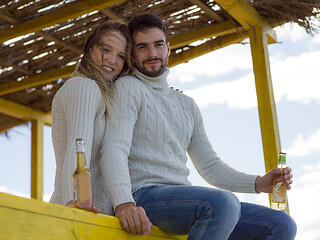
column 22, row 218
column 266, row 104
column 37, row 159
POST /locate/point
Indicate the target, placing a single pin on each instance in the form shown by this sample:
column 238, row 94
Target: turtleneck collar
column 158, row 83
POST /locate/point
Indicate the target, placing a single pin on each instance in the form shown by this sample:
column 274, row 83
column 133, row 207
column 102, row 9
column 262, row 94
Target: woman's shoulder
column 79, row 81
column 78, row 86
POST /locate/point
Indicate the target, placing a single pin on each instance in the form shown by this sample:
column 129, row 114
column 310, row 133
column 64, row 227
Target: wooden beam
column 36, row 80
column 59, row 16
column 247, row 16
column 113, row 15
column 204, row 48
column 65, row 44
column 22, row 218
column 209, row 11
column 214, row 30
column 18, row 68
column 8, row 17
column 266, row 103
column 37, row 159
column 22, row 112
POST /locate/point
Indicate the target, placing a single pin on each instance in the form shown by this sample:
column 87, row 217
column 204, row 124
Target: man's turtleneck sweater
column 153, row 129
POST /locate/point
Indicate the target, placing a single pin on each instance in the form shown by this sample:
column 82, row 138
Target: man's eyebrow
column 145, row 44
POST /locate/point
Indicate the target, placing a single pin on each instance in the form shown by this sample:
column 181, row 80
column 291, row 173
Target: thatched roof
column 53, row 33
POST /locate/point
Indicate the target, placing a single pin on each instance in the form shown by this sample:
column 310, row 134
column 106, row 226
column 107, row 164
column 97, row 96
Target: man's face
column 151, row 51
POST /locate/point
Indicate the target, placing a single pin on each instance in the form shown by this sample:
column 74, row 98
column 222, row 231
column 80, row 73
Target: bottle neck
column 80, row 162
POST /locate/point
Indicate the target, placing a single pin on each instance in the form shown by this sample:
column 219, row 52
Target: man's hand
column 133, row 219
column 266, row 182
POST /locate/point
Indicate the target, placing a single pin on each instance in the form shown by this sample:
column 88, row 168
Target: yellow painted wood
column 215, row 30
column 247, row 16
column 22, row 112
column 31, row 219
column 266, row 104
column 59, row 16
column 37, row 159
column 207, row 47
column 36, row 80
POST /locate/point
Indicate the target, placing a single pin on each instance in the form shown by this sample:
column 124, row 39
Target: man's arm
column 115, row 152
column 209, row 165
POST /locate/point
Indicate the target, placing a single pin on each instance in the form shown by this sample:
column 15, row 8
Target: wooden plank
column 205, row 48
column 36, row 80
column 22, row 112
column 37, row 159
column 247, row 16
column 215, row 30
column 22, row 218
column 61, row 15
column 266, row 104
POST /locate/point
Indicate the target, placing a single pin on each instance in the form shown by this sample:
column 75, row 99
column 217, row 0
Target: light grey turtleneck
column 154, row 128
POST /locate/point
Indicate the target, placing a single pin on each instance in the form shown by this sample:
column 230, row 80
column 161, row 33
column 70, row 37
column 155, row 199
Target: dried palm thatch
column 44, row 52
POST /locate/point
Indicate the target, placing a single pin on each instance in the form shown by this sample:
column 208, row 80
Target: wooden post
column 266, row 104
column 37, row 159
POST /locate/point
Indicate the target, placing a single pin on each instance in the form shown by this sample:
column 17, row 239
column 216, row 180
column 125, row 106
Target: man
column 145, row 158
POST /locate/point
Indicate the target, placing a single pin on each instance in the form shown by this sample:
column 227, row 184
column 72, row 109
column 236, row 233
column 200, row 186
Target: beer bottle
column 81, row 180
column 279, row 192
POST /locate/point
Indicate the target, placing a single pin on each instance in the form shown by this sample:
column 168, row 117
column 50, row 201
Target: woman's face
column 110, row 54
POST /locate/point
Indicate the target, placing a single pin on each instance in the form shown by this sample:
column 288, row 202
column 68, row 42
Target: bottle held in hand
column 81, row 179
column 279, row 192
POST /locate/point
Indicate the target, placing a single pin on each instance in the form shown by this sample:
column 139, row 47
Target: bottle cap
column 282, row 157
column 80, row 145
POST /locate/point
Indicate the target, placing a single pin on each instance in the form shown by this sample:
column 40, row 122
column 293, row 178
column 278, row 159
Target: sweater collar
column 158, row 83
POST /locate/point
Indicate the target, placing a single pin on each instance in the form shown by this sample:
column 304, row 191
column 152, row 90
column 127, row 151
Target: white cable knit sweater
column 78, row 110
column 155, row 127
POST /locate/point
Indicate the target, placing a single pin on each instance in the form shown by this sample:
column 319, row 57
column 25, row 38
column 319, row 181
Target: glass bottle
column 81, row 179
column 279, row 192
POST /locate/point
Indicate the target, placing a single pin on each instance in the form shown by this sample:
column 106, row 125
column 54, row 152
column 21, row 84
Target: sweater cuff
column 120, row 195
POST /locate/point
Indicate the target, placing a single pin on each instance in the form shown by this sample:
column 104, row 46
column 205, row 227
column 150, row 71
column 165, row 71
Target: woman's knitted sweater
column 154, row 128
column 78, row 111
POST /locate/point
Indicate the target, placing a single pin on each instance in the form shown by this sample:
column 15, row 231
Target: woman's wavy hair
column 90, row 69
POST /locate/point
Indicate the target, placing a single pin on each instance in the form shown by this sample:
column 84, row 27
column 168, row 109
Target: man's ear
column 169, row 49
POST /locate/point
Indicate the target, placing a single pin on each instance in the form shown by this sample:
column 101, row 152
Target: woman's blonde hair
column 90, row 69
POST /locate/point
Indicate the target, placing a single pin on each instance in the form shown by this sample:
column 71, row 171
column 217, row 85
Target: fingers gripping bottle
column 81, row 179
column 279, row 192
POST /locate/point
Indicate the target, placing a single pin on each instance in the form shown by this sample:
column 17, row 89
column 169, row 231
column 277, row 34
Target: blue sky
column 222, row 84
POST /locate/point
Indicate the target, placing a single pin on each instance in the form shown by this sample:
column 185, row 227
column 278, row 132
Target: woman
column 80, row 109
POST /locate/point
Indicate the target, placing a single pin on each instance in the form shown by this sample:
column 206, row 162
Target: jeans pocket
column 138, row 194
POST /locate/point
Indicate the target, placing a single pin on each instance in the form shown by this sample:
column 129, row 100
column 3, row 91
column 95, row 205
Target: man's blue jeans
column 209, row 213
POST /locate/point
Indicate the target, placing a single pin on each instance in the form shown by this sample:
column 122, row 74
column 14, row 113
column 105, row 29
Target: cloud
column 5, row 189
column 302, row 146
column 303, row 200
column 294, row 78
column 297, row 78
column 238, row 94
column 222, row 61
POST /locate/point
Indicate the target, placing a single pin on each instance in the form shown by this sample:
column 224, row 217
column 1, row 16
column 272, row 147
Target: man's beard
column 153, row 73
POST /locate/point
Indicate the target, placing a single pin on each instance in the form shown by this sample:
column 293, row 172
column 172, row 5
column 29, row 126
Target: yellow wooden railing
column 32, row 219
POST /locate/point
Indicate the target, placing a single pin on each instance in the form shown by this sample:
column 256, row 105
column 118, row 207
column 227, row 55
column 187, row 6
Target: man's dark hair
column 146, row 21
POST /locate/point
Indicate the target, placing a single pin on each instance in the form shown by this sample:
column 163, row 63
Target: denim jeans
column 209, row 213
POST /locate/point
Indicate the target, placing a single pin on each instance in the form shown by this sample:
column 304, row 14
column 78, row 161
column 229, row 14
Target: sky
column 222, row 84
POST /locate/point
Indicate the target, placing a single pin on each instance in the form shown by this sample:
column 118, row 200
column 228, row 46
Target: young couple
column 137, row 132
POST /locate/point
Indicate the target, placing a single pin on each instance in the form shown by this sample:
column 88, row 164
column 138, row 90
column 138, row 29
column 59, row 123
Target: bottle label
column 279, row 193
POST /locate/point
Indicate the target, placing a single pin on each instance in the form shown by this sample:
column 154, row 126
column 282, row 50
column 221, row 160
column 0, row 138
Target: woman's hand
column 93, row 209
